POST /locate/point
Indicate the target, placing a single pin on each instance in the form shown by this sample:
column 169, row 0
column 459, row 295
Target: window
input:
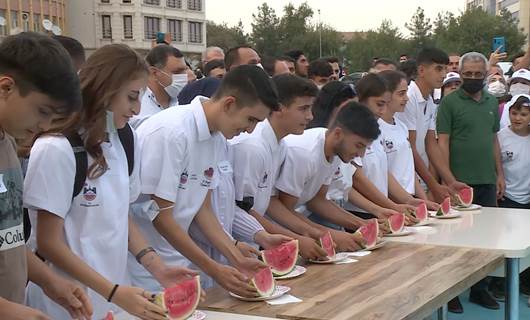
column 195, row 32
column 105, row 1
column 36, row 22
column 126, row 1
column 174, row 27
column 152, row 2
column 127, row 27
column 3, row 29
column 14, row 19
column 194, row 5
column 25, row 21
column 174, row 4
column 152, row 27
column 106, row 27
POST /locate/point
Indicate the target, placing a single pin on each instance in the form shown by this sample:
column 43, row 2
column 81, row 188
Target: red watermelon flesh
column 369, row 232
column 465, row 197
column 445, row 207
column 109, row 316
column 421, row 212
column 264, row 283
column 182, row 299
column 282, row 259
column 326, row 242
column 396, row 222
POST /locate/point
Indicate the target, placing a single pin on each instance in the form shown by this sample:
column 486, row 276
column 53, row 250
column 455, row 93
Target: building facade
column 489, row 6
column 137, row 22
column 27, row 15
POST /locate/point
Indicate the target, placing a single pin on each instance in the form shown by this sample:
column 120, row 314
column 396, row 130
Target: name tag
column 225, row 167
column 3, row 188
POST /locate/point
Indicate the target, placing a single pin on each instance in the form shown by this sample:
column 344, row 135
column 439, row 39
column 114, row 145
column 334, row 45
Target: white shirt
column 375, row 167
column 419, row 116
column 95, row 221
column 235, row 222
column 257, row 159
column 179, row 164
column 341, row 183
column 306, row 169
column 399, row 153
column 149, row 107
column 515, row 156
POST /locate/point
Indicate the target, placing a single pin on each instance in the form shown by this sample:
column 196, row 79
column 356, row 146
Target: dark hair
column 37, row 62
column 428, row 56
column 403, row 55
column 371, row 85
column 291, row 87
column 75, row 48
column 294, row 54
column 332, row 59
column 158, row 56
column 385, row 61
column 357, row 119
column 268, row 64
column 249, row 84
column 213, row 64
column 518, row 104
column 330, row 97
column 409, row 68
column 517, row 56
column 232, row 55
column 319, row 68
column 392, row 78
column 286, row 58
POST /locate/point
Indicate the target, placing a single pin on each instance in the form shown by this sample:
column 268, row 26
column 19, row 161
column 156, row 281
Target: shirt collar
column 484, row 97
column 150, row 94
column 268, row 135
column 200, row 118
column 416, row 92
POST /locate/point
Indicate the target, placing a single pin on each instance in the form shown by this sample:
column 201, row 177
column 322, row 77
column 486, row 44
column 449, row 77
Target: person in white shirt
column 180, row 156
column 167, row 77
column 259, row 155
column 515, row 154
column 395, row 136
column 88, row 235
column 519, row 85
column 311, row 162
column 419, row 117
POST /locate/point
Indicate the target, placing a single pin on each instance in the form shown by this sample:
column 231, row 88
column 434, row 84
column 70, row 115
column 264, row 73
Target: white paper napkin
column 285, row 299
column 358, row 253
column 347, row 260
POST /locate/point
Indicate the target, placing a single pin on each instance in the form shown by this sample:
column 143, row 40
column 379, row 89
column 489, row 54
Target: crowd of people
column 136, row 174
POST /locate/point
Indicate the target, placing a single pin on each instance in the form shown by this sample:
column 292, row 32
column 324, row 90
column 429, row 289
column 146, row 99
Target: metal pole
column 319, row 34
column 442, row 312
column 512, row 289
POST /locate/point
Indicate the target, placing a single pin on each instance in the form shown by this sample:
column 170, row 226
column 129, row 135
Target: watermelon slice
column 282, row 259
column 396, row 222
column 465, row 197
column 326, row 242
column 264, row 283
column 369, row 232
column 182, row 299
column 445, row 207
column 109, row 316
column 421, row 212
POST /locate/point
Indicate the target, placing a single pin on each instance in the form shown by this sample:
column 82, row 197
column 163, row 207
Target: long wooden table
column 397, row 281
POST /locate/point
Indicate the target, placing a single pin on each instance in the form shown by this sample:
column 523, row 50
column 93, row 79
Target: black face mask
column 472, row 86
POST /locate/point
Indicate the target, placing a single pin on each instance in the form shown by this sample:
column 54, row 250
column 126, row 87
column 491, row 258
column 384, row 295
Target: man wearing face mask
column 467, row 123
column 167, row 77
column 519, row 84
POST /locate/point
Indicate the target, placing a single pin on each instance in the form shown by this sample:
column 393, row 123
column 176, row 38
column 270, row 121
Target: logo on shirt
column 508, row 155
column 337, row 174
column 184, row 177
column 11, row 238
column 89, row 193
column 263, row 181
column 389, row 144
column 208, row 175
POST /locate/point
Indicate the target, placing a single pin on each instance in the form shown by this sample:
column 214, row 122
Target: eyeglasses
column 473, row 75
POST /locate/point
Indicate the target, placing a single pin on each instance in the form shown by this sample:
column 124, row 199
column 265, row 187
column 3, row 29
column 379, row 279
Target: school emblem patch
column 184, row 177
column 89, row 193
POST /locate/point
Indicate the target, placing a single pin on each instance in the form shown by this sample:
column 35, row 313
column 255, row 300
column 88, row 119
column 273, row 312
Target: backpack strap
column 127, row 141
column 81, row 162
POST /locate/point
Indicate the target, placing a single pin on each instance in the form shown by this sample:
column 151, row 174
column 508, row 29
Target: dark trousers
column 509, row 203
column 486, row 196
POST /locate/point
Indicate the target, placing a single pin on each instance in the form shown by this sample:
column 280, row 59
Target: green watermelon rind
column 262, row 293
column 160, row 300
column 275, row 271
column 440, row 212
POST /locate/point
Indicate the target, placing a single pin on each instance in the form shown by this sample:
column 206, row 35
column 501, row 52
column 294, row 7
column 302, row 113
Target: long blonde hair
column 102, row 77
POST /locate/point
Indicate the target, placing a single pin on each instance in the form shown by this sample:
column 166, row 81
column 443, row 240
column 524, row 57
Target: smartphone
column 160, row 37
column 499, row 42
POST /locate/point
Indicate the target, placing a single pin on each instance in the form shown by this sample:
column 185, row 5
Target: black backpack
column 81, row 164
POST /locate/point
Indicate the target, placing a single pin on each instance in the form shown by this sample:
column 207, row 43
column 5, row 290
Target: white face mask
column 519, row 88
column 178, row 81
column 497, row 89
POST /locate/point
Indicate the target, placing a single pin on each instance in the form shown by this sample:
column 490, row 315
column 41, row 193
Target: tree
column 420, row 28
column 294, row 26
column 265, row 30
column 225, row 37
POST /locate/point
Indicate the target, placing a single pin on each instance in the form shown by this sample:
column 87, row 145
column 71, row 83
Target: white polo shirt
column 180, row 158
column 399, row 153
column 515, row 156
column 419, row 116
column 257, row 159
column 306, row 169
column 341, row 183
column 149, row 107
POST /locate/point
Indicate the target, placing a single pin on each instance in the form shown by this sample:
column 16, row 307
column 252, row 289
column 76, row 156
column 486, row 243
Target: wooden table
column 503, row 230
column 397, row 281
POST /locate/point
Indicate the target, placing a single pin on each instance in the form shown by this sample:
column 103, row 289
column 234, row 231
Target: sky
column 343, row 15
